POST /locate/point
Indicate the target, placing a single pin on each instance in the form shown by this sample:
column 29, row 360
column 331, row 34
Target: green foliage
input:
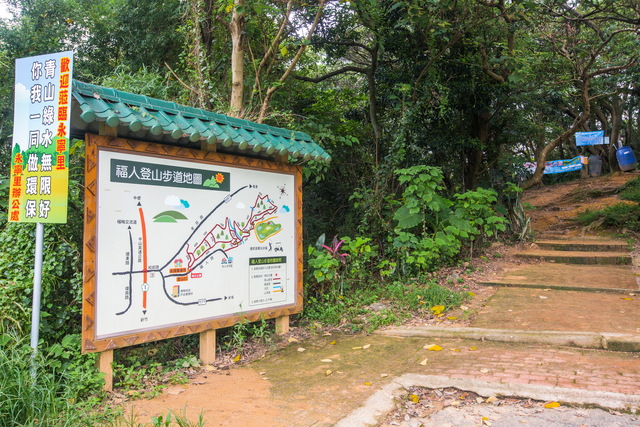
column 236, row 336
column 620, row 216
column 431, row 229
column 631, row 191
column 400, row 300
column 42, row 391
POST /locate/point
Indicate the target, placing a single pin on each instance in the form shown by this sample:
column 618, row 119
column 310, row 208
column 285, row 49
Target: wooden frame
column 94, row 143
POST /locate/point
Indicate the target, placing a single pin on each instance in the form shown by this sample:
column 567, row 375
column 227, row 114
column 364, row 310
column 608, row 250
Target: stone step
column 578, row 257
column 586, row 278
column 583, row 245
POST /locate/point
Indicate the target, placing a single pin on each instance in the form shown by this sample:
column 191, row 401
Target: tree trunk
column 541, row 155
column 236, row 28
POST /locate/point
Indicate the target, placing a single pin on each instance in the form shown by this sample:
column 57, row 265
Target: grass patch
column 631, row 191
column 367, row 309
column 620, row 215
column 35, row 393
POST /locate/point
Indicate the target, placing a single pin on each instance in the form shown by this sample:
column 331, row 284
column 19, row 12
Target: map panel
column 187, row 241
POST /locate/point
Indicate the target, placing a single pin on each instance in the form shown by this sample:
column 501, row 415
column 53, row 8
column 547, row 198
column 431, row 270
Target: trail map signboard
column 180, row 241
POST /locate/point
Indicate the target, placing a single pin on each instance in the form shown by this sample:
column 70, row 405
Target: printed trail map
column 181, row 242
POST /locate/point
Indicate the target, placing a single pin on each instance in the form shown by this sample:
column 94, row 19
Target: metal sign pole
column 37, row 287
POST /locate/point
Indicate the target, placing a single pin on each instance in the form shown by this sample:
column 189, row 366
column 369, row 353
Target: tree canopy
column 474, row 87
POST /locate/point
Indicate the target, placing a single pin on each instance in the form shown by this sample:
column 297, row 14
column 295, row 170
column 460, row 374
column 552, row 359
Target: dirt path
column 335, row 380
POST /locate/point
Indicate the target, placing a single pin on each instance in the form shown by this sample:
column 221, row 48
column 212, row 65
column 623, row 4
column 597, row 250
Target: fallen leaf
column 484, row 370
column 473, row 348
column 300, row 349
column 414, row 398
column 452, row 317
column 491, row 399
column 262, row 373
column 464, row 307
column 541, row 297
column 433, row 347
column 326, row 360
column 356, row 348
column 437, row 309
column 471, row 294
column 237, row 358
column 384, row 375
column 333, row 342
column 292, row 339
column 328, row 372
column 454, row 349
column 327, row 334
column 424, row 362
column 367, row 383
column 627, row 298
column 366, row 346
column 552, row 405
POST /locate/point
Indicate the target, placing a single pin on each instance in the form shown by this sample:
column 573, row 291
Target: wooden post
column 105, row 360
column 105, row 365
column 208, row 346
column 282, row 322
column 282, row 325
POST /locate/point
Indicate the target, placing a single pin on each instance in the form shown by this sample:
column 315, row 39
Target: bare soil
column 231, row 394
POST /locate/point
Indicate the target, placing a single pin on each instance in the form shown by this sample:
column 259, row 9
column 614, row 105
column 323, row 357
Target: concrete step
column 578, row 257
column 583, row 245
column 554, row 310
column 594, row 340
column 586, row 278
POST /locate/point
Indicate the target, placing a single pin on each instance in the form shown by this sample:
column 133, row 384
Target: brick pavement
column 516, row 364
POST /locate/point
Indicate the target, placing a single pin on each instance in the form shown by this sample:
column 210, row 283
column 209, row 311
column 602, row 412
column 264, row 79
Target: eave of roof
column 144, row 118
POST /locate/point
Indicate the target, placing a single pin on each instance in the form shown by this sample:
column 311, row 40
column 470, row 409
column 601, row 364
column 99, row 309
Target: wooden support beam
column 211, row 148
column 105, row 130
column 282, row 325
column 105, row 365
column 208, row 346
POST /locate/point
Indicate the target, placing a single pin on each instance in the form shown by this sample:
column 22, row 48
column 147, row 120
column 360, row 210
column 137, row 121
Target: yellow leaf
column 473, row 348
column 237, row 358
column 491, row 399
column 367, row 383
column 434, row 347
column 414, row 398
column 424, row 362
column 229, row 8
column 328, row 372
column 452, row 317
column 292, row 339
column 471, row 294
column 284, row 51
column 356, row 348
column 552, row 405
column 454, row 349
column 437, row 309
column 333, row 342
column 625, row 298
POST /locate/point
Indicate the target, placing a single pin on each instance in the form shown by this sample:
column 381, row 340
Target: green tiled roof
column 143, row 118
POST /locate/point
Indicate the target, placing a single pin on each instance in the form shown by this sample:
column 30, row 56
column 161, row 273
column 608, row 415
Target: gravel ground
column 422, row 407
